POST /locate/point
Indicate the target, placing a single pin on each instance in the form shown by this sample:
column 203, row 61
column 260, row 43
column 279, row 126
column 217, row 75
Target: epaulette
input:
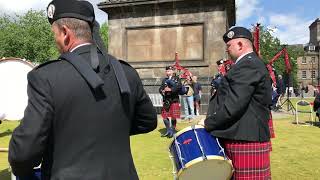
column 124, row 62
column 46, row 63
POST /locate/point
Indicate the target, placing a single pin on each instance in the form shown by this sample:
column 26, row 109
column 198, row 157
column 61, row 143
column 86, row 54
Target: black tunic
column 76, row 132
column 240, row 109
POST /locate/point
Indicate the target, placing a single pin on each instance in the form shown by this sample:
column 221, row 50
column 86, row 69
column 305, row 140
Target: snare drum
column 196, row 154
column 35, row 176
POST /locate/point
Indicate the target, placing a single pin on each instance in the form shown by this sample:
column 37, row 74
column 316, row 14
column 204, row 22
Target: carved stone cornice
column 121, row 3
column 109, row 5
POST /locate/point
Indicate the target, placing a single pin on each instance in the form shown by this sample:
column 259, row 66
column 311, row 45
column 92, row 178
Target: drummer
column 239, row 113
column 81, row 109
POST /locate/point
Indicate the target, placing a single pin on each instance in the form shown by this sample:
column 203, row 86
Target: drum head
column 210, row 169
column 13, row 91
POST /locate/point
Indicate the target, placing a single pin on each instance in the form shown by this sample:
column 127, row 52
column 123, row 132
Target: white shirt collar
column 80, row 45
column 240, row 57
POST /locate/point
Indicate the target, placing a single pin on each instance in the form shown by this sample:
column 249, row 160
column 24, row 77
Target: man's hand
column 201, row 122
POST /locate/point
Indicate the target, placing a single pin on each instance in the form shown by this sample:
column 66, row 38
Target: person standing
column 316, row 103
column 239, row 113
column 82, row 108
column 196, row 95
column 280, row 85
column 188, row 101
column 169, row 89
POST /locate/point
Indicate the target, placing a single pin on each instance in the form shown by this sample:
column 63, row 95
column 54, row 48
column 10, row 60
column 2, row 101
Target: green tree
column 270, row 46
column 104, row 33
column 27, row 36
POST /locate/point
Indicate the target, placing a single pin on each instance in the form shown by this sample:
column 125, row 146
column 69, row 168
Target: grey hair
column 248, row 42
column 80, row 28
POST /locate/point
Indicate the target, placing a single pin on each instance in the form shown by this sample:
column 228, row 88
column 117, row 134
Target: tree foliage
column 104, row 33
column 270, row 46
column 29, row 36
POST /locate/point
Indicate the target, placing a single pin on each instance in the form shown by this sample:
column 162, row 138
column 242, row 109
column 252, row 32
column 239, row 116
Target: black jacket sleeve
column 145, row 116
column 162, row 86
column 232, row 104
column 30, row 137
column 316, row 102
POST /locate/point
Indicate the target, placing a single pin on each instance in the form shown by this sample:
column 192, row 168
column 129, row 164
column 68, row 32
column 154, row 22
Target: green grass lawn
column 295, row 155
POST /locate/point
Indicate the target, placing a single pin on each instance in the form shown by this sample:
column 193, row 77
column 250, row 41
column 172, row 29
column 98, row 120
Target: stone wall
column 148, row 33
column 315, row 32
column 307, row 65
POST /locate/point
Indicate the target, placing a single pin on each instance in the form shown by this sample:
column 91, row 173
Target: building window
column 304, row 74
column 313, row 59
column 313, row 74
column 304, row 60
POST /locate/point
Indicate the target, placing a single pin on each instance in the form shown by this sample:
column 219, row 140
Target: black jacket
column 175, row 84
column 316, row 103
column 240, row 110
column 75, row 132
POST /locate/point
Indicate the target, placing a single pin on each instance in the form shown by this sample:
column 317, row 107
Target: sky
column 22, row 6
column 289, row 19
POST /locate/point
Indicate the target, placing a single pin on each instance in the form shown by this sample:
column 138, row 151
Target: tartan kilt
column 250, row 160
column 270, row 122
column 174, row 111
column 271, row 129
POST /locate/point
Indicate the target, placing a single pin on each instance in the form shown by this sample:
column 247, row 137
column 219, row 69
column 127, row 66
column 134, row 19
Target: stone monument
column 147, row 33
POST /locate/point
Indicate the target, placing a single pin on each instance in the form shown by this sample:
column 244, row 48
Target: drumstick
column 4, row 149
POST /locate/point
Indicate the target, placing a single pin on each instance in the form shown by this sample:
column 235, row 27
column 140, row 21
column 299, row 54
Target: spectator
column 188, row 99
column 197, row 94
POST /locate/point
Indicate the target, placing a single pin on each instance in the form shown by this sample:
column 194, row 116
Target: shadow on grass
column 303, row 123
column 317, row 124
column 308, row 123
column 6, row 133
column 162, row 131
column 5, row 174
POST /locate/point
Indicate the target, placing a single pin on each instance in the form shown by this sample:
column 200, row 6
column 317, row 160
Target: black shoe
column 171, row 133
column 165, row 134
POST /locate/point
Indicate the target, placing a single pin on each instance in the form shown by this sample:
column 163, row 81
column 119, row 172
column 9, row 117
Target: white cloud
column 291, row 29
column 18, row 6
column 22, row 6
column 246, row 8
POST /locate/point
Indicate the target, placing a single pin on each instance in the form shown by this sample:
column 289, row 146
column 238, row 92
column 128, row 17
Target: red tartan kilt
column 270, row 122
column 174, row 111
column 251, row 160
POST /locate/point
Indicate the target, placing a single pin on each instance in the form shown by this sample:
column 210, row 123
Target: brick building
column 308, row 64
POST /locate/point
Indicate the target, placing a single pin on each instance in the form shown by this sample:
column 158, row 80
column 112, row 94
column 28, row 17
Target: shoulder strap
column 121, row 77
column 85, row 70
column 115, row 64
